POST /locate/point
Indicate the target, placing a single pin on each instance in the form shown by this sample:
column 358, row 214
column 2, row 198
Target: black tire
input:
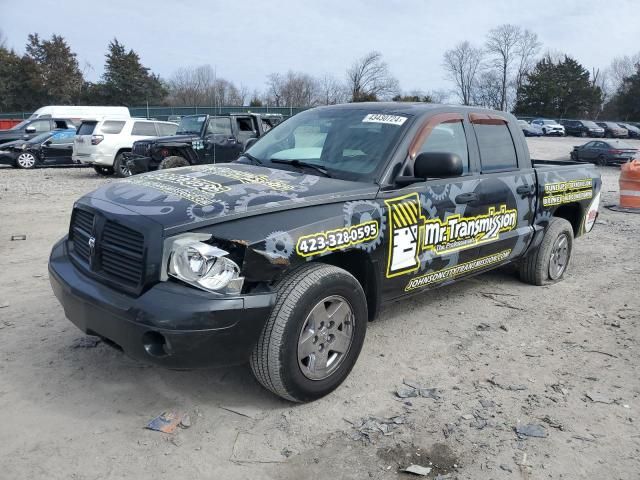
column 26, row 161
column 584, row 135
column 538, row 268
column 275, row 359
column 601, row 160
column 104, row 171
column 174, row 161
column 120, row 168
column 574, row 156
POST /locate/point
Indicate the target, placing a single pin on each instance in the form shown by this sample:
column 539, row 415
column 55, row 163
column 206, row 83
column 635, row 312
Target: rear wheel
column 314, row 333
column 174, row 161
column 120, row 168
column 601, row 160
column 26, row 161
column 584, row 135
column 105, row 171
column 549, row 262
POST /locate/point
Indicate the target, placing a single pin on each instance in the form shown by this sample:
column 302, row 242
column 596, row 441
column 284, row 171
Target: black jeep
column 200, row 139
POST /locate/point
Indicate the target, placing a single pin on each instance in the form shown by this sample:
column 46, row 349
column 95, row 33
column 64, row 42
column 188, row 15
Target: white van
column 77, row 113
column 102, row 142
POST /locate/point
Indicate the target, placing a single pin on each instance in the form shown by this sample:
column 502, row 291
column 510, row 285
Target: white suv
column 549, row 127
column 101, row 143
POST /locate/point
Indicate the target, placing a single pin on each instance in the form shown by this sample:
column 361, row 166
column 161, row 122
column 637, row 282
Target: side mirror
column 30, row 130
column 47, row 143
column 249, row 143
column 437, row 165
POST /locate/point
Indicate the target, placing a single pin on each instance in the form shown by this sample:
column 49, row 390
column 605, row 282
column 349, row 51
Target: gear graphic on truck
column 262, row 198
column 202, row 212
column 279, row 244
column 362, row 211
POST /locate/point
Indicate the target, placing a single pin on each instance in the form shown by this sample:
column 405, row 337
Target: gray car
column 604, row 152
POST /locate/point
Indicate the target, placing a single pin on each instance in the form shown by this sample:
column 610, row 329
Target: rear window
column 147, row 129
column 86, row 128
column 112, row 127
column 497, row 151
column 167, row 129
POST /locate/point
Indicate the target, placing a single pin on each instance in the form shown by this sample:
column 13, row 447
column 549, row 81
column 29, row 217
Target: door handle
column 467, row 197
column 525, row 189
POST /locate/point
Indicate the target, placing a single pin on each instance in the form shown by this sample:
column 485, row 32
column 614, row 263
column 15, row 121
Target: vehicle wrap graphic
column 567, row 192
column 197, row 190
column 412, row 233
column 452, row 273
column 247, row 177
column 331, row 240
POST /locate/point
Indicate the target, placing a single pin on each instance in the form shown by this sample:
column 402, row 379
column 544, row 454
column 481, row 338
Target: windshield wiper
column 254, row 160
column 300, row 164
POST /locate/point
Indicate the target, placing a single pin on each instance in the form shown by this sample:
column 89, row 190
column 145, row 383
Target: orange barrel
column 630, row 185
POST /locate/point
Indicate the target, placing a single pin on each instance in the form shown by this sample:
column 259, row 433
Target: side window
column 166, row 129
column 112, row 127
column 146, row 129
column 448, row 138
column 61, row 138
column 41, row 125
column 219, row 126
column 497, row 151
column 245, row 125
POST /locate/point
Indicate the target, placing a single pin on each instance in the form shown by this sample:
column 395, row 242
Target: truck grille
column 117, row 253
column 141, row 148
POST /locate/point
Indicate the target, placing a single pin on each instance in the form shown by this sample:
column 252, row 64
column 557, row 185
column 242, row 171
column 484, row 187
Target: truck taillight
column 96, row 139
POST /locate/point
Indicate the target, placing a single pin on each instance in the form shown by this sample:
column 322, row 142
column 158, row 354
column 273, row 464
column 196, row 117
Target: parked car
column 174, row 118
column 582, row 128
column 549, row 127
column 613, row 130
column 49, row 148
column 530, row 130
column 604, row 152
column 102, row 143
column 28, row 129
column 200, row 139
column 281, row 258
column 634, row 132
column 77, row 113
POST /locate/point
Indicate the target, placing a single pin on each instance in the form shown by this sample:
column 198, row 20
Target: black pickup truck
column 200, row 139
column 281, row 258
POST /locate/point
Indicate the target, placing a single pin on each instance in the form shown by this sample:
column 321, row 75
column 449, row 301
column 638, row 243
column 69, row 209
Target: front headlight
column 204, row 266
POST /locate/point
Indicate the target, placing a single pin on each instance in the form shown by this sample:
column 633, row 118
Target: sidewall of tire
column 296, row 383
column 535, row 267
column 116, row 166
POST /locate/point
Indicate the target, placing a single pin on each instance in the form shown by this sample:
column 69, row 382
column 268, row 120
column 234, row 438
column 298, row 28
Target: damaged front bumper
column 170, row 324
column 140, row 163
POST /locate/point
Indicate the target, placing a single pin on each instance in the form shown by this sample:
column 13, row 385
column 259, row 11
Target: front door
column 220, row 145
column 58, row 149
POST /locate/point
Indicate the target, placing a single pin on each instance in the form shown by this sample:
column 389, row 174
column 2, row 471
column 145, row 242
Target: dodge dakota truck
column 281, row 258
column 200, row 139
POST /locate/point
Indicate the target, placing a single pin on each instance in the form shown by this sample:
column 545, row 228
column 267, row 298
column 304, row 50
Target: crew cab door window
column 448, row 138
column 497, row 151
column 144, row 129
column 41, row 125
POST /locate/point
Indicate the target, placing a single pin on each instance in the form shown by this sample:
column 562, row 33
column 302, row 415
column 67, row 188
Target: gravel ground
column 496, row 357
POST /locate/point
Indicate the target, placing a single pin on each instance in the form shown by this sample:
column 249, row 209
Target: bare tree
column 369, row 79
column 293, row 89
column 487, row 91
column 461, row 64
column 502, row 43
column 3, row 39
column 527, row 49
column 621, row 68
column 330, row 91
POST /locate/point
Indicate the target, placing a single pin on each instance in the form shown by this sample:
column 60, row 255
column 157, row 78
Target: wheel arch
column 359, row 264
column 571, row 212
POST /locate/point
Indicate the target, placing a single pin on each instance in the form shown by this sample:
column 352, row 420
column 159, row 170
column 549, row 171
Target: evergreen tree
column 60, row 78
column 126, row 81
column 558, row 89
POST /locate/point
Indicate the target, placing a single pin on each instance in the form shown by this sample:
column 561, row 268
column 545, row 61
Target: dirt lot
column 500, row 355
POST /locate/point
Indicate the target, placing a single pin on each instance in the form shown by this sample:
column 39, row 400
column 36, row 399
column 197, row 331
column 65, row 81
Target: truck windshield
column 191, row 124
column 350, row 144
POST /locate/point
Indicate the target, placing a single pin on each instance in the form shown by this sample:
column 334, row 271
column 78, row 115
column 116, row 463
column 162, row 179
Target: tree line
column 506, row 72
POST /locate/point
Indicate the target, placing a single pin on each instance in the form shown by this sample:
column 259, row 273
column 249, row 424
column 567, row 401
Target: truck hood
column 183, row 199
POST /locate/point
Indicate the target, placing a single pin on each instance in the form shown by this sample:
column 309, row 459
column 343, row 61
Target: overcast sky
column 247, row 40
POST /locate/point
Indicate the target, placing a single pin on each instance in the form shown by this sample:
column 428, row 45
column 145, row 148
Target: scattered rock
column 552, row 422
column 4, row 305
column 404, row 391
column 598, row 398
column 483, row 327
column 504, row 327
column 368, row 429
column 244, row 410
column 468, row 416
column 506, row 386
column 478, row 423
column 487, row 403
column 88, row 341
column 418, row 470
column 531, row 430
column 506, row 468
column 185, row 422
column 18, row 237
column 411, row 388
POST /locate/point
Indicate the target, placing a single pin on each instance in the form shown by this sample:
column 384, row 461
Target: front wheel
column 549, row 262
column 26, row 161
column 314, row 333
column 602, row 161
column 174, row 161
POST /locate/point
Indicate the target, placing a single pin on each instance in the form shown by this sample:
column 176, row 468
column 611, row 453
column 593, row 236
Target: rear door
column 506, row 195
column 82, row 143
